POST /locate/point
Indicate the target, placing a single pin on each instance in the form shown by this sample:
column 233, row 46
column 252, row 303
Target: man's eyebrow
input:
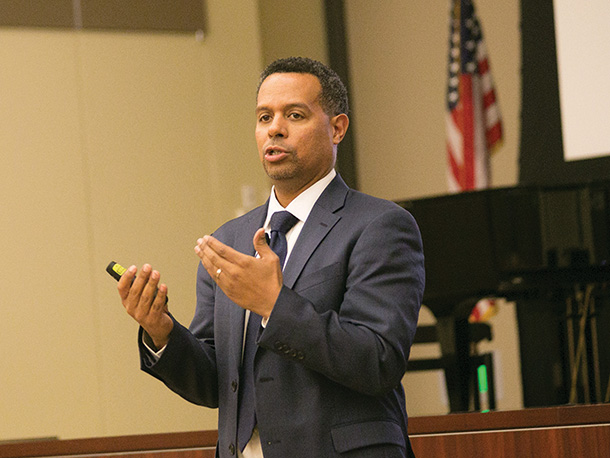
column 303, row 106
column 288, row 106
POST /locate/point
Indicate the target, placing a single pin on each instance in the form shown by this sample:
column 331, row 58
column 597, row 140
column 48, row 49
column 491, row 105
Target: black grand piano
column 535, row 245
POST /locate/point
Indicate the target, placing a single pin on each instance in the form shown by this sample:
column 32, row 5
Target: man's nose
column 278, row 127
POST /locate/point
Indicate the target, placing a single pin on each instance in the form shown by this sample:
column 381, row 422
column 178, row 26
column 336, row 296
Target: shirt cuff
column 150, row 346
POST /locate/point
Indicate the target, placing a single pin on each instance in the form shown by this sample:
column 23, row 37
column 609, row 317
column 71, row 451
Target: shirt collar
column 302, row 204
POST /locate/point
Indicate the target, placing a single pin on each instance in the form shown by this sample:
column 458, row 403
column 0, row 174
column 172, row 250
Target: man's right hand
column 145, row 302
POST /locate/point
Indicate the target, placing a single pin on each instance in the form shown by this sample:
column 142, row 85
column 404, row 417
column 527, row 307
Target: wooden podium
column 554, row 432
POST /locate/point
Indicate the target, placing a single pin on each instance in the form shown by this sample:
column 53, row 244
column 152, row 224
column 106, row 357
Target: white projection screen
column 582, row 33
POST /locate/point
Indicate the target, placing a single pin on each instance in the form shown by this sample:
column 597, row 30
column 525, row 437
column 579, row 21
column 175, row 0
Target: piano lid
column 474, row 241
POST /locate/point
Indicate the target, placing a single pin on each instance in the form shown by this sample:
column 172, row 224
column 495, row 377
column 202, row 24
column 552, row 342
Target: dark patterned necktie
column 281, row 223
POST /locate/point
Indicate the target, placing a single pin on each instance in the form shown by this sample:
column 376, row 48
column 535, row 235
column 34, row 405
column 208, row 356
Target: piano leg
column 455, row 348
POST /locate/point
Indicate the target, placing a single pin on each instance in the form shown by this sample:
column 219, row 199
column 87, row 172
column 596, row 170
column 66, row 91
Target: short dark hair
column 333, row 97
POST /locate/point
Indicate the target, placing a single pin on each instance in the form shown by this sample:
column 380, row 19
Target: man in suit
column 337, row 318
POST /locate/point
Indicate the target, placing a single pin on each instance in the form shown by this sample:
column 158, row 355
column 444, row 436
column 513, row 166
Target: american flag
column 474, row 126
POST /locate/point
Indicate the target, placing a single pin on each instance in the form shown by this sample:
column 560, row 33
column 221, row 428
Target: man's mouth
column 275, row 153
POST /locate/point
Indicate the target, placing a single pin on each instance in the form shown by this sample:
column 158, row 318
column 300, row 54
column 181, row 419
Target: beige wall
column 128, row 147
column 398, row 53
column 121, row 147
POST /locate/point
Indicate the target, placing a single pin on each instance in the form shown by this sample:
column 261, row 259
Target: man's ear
column 339, row 124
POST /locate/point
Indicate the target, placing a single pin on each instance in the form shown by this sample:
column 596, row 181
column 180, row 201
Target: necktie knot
column 282, row 221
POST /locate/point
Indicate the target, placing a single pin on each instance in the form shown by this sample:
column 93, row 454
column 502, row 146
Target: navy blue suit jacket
column 329, row 364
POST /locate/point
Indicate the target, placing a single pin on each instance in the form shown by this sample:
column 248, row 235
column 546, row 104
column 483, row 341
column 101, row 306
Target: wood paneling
column 136, row 15
column 564, row 442
column 558, row 432
column 196, row 444
column 36, row 13
column 561, row 432
column 526, row 418
column 177, row 15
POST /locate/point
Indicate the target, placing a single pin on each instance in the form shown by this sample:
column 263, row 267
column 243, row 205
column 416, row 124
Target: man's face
column 296, row 139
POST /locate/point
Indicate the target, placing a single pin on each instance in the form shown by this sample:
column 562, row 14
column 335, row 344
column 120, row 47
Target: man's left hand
column 253, row 283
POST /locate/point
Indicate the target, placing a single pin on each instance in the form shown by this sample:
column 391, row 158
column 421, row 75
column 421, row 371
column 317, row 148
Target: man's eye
column 295, row 116
column 264, row 118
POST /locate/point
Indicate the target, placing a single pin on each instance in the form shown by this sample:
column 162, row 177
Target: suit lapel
column 323, row 217
column 251, row 223
column 243, row 243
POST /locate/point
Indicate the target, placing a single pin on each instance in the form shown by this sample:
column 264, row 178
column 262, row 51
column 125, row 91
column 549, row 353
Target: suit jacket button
column 232, row 449
column 234, row 386
column 278, row 345
column 293, row 353
column 300, row 355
